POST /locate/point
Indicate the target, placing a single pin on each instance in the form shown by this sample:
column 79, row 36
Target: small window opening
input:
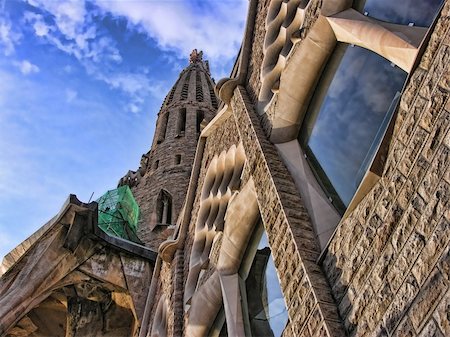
column 181, row 125
column 178, row 159
column 163, row 127
column 156, row 165
column 164, row 207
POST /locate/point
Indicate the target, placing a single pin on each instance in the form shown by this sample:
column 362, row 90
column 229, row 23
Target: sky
column 81, row 83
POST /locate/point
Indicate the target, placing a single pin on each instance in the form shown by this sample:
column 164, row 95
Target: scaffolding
column 118, row 213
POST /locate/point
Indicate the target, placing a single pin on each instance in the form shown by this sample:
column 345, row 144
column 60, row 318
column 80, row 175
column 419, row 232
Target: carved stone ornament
column 196, row 56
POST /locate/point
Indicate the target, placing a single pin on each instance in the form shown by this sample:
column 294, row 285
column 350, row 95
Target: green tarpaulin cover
column 118, row 212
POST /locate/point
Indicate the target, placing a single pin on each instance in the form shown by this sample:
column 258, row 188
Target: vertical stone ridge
column 289, row 231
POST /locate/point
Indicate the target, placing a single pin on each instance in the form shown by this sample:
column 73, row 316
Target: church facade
column 318, row 200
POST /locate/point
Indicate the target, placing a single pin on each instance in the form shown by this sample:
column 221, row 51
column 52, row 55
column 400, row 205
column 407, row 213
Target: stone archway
column 72, row 279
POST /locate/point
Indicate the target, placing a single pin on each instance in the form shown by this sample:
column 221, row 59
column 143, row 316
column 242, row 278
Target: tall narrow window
column 181, row 123
column 156, row 165
column 185, row 89
column 198, row 88
column 200, row 118
column 164, row 208
column 163, row 127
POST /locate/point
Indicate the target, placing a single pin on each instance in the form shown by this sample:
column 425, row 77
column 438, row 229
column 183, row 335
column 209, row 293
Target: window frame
column 287, row 107
column 378, row 163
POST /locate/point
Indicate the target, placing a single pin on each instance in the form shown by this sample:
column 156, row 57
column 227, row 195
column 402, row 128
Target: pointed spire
column 196, row 56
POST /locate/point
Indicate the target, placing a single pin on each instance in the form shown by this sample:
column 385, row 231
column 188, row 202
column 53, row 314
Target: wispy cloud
column 183, row 25
column 69, row 27
column 8, row 37
column 26, row 67
column 137, row 86
column 177, row 27
column 71, row 95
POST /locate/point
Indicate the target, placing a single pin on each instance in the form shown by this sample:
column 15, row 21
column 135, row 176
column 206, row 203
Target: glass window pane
column 267, row 311
column 421, row 13
column 348, row 117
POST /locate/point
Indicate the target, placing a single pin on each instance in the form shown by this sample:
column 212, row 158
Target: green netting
column 118, row 212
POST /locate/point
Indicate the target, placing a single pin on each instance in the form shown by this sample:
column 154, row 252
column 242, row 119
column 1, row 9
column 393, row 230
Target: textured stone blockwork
column 388, row 262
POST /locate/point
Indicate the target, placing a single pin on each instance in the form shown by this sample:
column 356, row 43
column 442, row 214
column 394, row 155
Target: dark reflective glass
column 267, row 311
column 421, row 13
column 347, row 119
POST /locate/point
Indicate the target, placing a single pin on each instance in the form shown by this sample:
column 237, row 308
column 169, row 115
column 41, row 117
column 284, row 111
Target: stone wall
column 256, row 57
column 388, row 263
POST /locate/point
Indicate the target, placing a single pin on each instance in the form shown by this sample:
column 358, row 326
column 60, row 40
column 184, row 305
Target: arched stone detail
column 205, row 306
column 220, row 185
column 304, row 70
column 164, row 208
column 223, row 286
column 331, row 7
column 72, row 266
column 283, row 22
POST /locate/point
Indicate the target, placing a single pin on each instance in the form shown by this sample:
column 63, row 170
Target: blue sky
column 81, row 83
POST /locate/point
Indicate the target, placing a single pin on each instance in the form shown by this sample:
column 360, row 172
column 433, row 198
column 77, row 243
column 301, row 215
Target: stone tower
column 160, row 184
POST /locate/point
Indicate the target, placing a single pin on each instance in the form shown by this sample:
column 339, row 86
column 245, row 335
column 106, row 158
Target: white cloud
column 69, row 16
column 133, row 108
column 8, row 37
column 26, row 67
column 71, row 95
column 70, row 27
column 41, row 29
column 178, row 26
column 136, row 85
